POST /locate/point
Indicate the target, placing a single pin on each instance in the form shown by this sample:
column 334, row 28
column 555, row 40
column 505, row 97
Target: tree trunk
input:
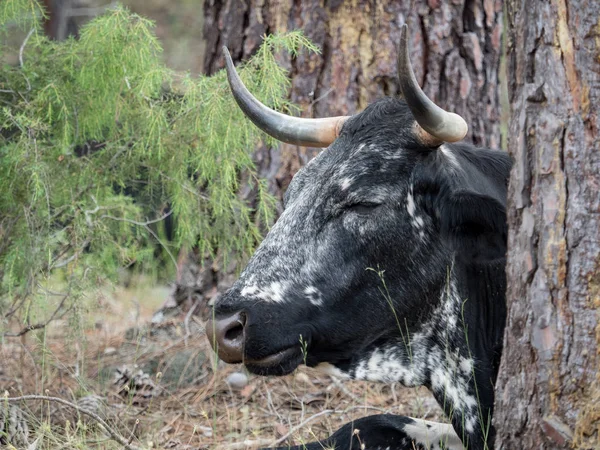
column 548, row 390
column 59, row 24
column 455, row 51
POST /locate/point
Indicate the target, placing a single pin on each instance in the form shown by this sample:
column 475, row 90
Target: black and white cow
column 387, row 264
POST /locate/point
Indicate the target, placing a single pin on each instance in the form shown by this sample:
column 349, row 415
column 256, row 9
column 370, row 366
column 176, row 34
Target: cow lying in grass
column 387, row 264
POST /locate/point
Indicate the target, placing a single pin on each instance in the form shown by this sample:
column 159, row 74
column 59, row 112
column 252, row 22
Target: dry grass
column 196, row 410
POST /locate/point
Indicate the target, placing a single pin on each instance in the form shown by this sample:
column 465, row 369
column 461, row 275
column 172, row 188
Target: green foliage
column 22, row 13
column 98, row 137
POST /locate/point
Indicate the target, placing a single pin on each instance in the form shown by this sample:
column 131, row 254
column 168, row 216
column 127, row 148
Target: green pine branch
column 99, row 138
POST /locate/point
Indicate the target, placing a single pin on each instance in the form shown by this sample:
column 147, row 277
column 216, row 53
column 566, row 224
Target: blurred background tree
column 102, row 143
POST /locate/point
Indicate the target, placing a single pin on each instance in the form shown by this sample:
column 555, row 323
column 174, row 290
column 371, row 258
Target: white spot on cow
column 466, row 365
column 451, row 322
column 345, row 184
column 275, row 292
column 389, row 365
column 452, row 387
column 249, row 290
column 433, row 435
column 450, row 156
column 470, row 424
column 392, row 155
column 451, row 307
column 410, row 203
column 416, row 220
column 314, row 295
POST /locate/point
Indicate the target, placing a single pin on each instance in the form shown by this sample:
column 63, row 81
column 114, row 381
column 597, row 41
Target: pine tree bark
column 456, row 52
column 548, row 390
column 456, row 49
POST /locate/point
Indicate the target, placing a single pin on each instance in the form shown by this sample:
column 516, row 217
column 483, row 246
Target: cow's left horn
column 437, row 125
column 293, row 130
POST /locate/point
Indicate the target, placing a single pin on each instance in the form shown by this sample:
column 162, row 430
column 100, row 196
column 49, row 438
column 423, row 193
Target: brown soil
column 183, row 400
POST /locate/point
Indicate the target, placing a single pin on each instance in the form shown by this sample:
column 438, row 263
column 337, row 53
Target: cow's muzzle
column 226, row 335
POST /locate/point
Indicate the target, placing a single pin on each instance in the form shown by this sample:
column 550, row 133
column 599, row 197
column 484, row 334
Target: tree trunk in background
column 548, row 391
column 59, row 23
column 456, row 49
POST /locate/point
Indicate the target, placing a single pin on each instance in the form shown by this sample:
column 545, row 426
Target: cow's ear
column 473, row 225
column 472, row 221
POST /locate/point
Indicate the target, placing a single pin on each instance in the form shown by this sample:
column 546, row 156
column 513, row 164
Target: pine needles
column 100, row 142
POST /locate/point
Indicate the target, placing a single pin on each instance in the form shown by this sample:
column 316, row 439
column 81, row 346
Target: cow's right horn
column 293, row 130
column 436, row 125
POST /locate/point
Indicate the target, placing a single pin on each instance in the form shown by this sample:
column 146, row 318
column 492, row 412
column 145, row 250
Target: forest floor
column 160, row 386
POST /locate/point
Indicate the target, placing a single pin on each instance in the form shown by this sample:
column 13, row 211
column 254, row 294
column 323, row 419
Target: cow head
column 363, row 254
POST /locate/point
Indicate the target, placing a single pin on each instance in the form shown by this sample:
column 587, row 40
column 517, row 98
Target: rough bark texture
column 456, row 48
column 548, row 391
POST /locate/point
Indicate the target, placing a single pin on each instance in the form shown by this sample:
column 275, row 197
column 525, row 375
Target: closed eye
column 362, row 208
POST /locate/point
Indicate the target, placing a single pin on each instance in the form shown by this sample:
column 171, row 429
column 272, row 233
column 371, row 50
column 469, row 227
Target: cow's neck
column 455, row 354
column 468, row 396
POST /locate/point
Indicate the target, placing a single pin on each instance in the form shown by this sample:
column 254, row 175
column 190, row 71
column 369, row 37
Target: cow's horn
column 436, row 125
column 293, row 130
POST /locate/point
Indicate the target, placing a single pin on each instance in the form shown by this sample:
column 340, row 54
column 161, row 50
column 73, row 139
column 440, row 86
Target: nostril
column 235, row 333
column 226, row 335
